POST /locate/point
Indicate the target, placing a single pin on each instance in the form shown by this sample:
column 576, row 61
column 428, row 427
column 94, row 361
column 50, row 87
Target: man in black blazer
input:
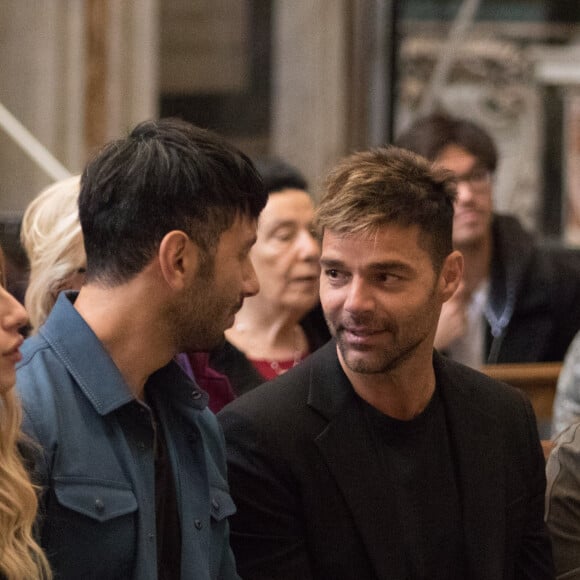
column 377, row 458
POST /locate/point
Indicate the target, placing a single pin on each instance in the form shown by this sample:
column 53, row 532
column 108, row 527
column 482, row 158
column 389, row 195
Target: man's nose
column 359, row 297
column 464, row 192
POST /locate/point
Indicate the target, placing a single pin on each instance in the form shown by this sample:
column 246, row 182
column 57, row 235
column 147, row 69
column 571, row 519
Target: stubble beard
column 391, row 357
column 381, row 362
column 196, row 315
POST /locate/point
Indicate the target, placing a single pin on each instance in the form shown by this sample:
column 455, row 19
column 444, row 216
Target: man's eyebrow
column 391, row 265
column 331, row 263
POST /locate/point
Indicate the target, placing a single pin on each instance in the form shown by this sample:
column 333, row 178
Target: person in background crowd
column 566, row 408
column 516, row 302
column 563, row 501
column 52, row 237
column 130, row 459
column 276, row 329
column 377, row 458
column 20, row 556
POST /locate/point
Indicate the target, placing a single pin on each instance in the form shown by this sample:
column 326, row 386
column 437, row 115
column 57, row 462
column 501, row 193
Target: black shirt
column 166, row 512
column 419, row 471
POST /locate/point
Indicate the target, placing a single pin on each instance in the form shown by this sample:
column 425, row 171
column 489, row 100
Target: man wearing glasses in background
column 516, row 302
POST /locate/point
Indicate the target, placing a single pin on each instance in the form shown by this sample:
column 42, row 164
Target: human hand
column 453, row 319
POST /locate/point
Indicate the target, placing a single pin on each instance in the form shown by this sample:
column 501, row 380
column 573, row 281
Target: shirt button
column 99, row 506
column 198, row 524
column 141, row 446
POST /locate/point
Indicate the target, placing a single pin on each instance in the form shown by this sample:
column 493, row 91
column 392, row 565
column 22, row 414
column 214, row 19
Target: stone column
column 133, row 61
column 44, row 59
column 309, row 84
column 41, row 63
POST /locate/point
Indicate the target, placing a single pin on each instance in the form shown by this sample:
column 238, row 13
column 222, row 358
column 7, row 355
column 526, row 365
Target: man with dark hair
column 131, row 462
column 517, row 302
column 377, row 458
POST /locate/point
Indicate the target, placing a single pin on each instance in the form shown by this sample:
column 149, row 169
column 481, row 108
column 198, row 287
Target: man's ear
column 451, row 274
column 178, row 258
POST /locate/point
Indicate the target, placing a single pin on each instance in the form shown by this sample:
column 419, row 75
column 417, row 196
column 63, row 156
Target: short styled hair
column 52, row 238
column 166, row 175
column 429, row 135
column 389, row 185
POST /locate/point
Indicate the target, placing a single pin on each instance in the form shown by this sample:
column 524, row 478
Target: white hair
column 52, row 237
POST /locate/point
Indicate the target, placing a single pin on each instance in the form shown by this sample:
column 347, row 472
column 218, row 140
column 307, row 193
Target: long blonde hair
column 21, row 558
column 52, row 237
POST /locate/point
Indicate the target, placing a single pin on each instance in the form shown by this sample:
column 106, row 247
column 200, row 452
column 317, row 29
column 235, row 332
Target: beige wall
column 204, row 45
column 37, row 51
column 45, row 63
column 80, row 72
column 310, row 75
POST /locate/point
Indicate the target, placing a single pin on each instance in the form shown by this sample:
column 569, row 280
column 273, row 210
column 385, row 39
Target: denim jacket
column 95, row 460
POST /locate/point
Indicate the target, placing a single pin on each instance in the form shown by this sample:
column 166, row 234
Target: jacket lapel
column 479, row 461
column 351, row 457
column 350, row 454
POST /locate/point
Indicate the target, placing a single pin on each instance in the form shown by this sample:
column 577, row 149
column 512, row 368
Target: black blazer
column 534, row 297
column 312, row 502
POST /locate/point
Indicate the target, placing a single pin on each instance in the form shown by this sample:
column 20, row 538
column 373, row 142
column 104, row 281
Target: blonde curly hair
column 21, row 558
column 52, row 237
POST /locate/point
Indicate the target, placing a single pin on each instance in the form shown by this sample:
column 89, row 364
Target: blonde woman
column 51, row 235
column 20, row 556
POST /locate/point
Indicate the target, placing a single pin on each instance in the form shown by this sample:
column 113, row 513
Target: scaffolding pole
column 32, row 146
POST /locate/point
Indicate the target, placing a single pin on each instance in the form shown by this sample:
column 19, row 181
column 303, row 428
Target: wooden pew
column 538, row 381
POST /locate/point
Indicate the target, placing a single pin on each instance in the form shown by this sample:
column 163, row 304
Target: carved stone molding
column 494, row 64
column 491, row 81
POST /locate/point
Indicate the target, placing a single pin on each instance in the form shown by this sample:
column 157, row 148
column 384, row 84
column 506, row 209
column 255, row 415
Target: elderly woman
column 281, row 325
column 20, row 556
column 52, row 237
